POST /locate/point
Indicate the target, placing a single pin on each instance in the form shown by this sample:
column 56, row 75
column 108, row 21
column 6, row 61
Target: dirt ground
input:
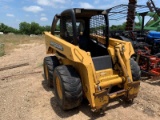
column 24, row 94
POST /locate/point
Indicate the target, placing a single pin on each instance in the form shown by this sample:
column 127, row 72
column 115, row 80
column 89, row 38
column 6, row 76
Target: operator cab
column 86, row 28
column 78, row 26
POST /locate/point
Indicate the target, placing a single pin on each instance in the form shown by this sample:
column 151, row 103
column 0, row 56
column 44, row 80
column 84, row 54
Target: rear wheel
column 68, row 88
column 136, row 75
column 136, row 72
column 49, row 64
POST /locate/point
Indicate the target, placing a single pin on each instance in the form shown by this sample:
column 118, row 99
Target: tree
column 24, row 28
column 35, row 28
column 3, row 27
column 6, row 29
column 9, row 29
column 47, row 28
column 118, row 27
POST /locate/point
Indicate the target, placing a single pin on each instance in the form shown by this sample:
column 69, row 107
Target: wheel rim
column 46, row 72
column 59, row 88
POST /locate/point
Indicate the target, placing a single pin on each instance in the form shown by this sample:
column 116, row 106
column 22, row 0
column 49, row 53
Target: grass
column 39, row 65
column 11, row 41
column 2, row 52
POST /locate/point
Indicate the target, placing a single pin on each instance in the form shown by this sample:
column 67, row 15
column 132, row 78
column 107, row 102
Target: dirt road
column 25, row 96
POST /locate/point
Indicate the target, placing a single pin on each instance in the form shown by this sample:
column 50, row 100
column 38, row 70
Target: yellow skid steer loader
column 86, row 63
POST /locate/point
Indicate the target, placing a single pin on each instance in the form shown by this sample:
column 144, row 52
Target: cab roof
column 79, row 12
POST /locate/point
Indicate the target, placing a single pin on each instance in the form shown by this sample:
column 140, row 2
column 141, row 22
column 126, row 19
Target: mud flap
column 133, row 90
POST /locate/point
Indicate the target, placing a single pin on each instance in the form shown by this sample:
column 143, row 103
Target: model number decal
column 56, row 45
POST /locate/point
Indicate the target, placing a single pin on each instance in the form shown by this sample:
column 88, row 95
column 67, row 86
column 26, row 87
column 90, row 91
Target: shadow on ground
column 45, row 86
column 152, row 81
column 84, row 108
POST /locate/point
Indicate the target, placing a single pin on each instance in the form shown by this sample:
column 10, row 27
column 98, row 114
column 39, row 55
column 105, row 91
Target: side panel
column 80, row 59
column 70, row 51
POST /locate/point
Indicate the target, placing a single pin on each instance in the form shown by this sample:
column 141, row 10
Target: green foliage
column 2, row 51
column 6, row 29
column 47, row 28
column 118, row 27
column 32, row 28
column 35, row 28
column 26, row 28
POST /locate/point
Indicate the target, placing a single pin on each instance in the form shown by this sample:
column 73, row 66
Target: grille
column 97, row 25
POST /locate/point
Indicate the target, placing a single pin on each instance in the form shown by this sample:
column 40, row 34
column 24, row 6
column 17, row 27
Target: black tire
column 71, row 87
column 136, row 72
column 49, row 64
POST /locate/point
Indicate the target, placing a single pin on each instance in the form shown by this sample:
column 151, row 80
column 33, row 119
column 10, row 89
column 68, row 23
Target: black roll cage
column 76, row 12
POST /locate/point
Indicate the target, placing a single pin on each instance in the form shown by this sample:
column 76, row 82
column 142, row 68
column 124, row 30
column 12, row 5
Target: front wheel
column 68, row 87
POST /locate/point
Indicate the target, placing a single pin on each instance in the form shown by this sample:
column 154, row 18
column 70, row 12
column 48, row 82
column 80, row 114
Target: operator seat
column 83, row 41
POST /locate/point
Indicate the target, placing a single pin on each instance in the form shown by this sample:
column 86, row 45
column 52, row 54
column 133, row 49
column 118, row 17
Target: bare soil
column 24, row 94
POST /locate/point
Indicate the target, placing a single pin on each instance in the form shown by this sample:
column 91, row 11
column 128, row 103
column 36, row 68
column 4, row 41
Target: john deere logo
column 56, row 46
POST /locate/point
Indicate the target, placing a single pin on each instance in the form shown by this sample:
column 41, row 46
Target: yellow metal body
column 46, row 72
column 96, row 84
column 59, row 88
